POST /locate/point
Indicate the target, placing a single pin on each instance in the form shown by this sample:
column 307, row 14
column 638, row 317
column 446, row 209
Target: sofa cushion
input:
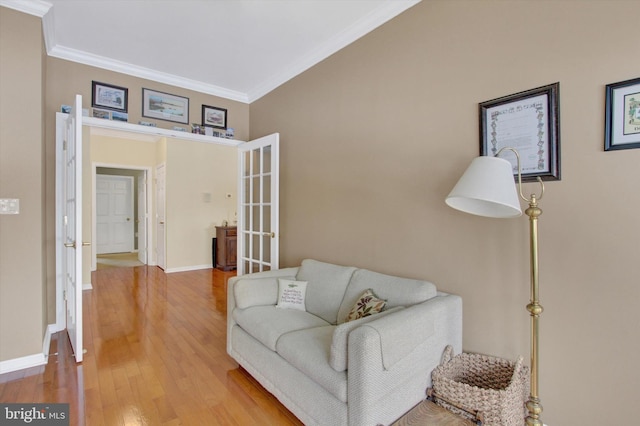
column 268, row 323
column 256, row 292
column 396, row 291
column 308, row 351
column 291, row 294
column 326, row 288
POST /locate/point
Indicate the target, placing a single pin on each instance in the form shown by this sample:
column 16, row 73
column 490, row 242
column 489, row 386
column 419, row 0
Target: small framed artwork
column 622, row 115
column 214, row 117
column 528, row 122
column 119, row 116
column 101, row 113
column 164, row 106
column 107, row 96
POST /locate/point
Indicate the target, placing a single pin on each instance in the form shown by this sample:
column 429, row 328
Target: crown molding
column 146, row 73
column 32, row 7
column 387, row 11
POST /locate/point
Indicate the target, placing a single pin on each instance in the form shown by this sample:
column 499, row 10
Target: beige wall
column 199, row 176
column 374, row 138
column 22, row 258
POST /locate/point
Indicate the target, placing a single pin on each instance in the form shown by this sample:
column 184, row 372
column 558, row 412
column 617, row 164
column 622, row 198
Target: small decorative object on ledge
column 622, row 115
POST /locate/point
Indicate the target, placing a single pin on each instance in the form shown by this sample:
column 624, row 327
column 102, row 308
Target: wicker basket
column 478, row 386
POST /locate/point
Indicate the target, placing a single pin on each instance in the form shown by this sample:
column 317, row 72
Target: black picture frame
column 165, row 106
column 108, row 96
column 528, row 121
column 214, row 117
column 622, row 115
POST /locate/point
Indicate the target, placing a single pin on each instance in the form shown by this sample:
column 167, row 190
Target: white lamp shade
column 486, row 188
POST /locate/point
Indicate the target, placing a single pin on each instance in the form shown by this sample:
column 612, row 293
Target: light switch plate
column 9, row 206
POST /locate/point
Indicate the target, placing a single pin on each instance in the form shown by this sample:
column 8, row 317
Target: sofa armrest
column 391, row 359
column 256, row 278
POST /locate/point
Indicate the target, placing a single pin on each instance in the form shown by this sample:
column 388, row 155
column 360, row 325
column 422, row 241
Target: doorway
column 120, row 217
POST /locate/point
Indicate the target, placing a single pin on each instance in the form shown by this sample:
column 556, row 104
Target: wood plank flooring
column 155, row 355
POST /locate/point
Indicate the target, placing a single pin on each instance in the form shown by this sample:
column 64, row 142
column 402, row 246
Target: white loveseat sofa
column 330, row 373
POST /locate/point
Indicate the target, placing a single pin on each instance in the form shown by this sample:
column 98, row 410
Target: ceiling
column 236, row 49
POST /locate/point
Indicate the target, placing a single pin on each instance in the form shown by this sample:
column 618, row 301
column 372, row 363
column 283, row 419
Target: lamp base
column 535, row 409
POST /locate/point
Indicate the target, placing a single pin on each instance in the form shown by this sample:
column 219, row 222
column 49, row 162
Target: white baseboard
column 187, row 268
column 87, row 286
column 34, row 360
column 21, row 363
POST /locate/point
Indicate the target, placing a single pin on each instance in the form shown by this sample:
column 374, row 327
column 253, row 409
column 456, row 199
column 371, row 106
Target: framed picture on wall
column 107, row 96
column 622, row 115
column 528, row 122
column 164, row 106
column 214, row 117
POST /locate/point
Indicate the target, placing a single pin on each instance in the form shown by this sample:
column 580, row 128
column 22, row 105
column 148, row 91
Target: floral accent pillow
column 367, row 304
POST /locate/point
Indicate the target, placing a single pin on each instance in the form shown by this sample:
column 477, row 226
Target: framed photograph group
column 622, row 115
column 110, row 97
column 214, row 117
column 164, row 106
column 529, row 122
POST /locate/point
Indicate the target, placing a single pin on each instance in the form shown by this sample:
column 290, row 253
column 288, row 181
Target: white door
column 114, row 214
column 258, row 201
column 160, row 216
column 142, row 217
column 72, row 227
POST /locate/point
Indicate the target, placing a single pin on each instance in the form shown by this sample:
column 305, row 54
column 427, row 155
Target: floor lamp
column 487, row 189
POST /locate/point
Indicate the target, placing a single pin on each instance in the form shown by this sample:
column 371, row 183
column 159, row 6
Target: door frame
column 149, row 184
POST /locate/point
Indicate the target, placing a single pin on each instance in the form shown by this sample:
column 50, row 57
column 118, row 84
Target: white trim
column 34, row 360
column 146, row 73
column 60, row 306
column 34, row 7
column 117, row 127
column 386, row 12
column 187, row 268
column 21, row 363
column 87, row 286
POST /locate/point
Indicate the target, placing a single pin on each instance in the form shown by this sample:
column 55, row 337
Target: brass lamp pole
column 534, row 307
column 487, row 189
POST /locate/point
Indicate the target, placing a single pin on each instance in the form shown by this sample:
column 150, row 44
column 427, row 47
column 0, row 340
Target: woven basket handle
column 447, row 355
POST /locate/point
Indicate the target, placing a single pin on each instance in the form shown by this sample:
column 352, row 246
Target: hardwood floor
column 155, row 355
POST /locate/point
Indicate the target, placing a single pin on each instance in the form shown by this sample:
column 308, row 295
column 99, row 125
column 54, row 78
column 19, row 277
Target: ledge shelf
column 114, row 127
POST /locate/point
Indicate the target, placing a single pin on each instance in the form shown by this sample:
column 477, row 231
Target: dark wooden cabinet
column 226, row 247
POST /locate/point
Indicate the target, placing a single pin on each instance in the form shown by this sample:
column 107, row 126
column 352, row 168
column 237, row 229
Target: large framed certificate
column 528, row 122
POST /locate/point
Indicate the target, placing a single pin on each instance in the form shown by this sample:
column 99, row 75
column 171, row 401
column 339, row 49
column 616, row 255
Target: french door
column 72, row 227
column 258, row 201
